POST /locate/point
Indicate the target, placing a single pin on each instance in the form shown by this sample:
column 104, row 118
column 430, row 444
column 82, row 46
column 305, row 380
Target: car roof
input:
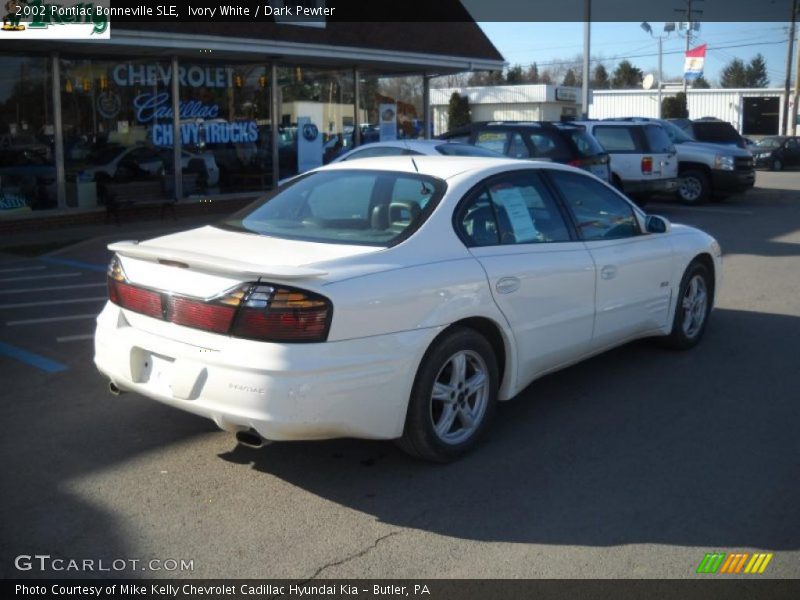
column 410, row 144
column 442, row 167
column 617, row 123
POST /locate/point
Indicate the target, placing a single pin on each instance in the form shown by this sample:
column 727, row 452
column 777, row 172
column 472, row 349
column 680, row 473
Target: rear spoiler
column 212, row 264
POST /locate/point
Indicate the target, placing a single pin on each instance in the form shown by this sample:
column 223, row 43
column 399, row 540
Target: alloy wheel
column 459, row 397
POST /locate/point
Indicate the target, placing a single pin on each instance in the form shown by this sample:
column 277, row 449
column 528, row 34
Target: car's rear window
column 658, row 140
column 353, row 206
column 457, row 149
column 586, row 144
column 715, row 131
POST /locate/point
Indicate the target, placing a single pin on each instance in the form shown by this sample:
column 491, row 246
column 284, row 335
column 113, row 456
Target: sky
column 525, row 43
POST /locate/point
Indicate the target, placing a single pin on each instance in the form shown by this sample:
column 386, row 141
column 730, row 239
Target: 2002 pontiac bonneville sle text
column 392, row 298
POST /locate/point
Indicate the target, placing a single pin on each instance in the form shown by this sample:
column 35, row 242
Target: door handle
column 608, row 272
column 506, row 285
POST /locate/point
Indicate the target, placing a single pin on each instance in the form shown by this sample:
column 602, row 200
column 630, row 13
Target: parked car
column 416, row 147
column 643, row 159
column 27, row 174
column 706, row 171
column 557, row 142
column 711, row 130
column 391, row 300
column 777, row 152
column 116, row 160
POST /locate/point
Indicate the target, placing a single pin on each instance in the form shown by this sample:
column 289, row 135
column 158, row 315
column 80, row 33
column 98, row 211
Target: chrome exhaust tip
column 112, row 387
column 250, row 438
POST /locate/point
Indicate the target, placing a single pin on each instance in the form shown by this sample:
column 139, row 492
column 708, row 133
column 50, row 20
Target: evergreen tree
column 515, row 75
column 626, row 76
column 600, row 79
column 458, row 111
column 756, row 72
column 734, row 75
column 700, row 83
column 533, row 74
column 570, row 79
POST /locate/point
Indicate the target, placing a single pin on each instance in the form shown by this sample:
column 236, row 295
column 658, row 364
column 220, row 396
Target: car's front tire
column 694, row 187
column 695, row 298
column 453, row 398
column 777, row 164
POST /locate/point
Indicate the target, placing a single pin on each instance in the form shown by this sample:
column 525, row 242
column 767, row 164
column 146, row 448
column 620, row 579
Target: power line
column 649, row 55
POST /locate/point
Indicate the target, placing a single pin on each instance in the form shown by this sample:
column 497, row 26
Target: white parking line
column 28, row 277
column 75, row 338
column 53, row 302
column 17, row 269
column 710, row 209
column 50, row 288
column 50, row 319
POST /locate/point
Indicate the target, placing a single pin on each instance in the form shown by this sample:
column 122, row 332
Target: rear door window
column 549, row 144
column 492, row 140
column 617, row 139
column 658, row 140
column 586, row 144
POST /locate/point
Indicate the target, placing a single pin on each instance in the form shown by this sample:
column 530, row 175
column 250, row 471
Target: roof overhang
column 160, row 44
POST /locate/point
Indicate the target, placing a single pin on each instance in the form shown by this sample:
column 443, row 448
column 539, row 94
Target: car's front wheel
column 453, row 398
column 777, row 164
column 694, row 187
column 695, row 299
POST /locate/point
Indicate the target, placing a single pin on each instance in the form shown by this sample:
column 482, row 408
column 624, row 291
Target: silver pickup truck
column 706, row 171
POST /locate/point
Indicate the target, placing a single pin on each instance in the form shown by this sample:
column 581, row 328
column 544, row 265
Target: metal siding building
column 730, row 105
column 535, row 102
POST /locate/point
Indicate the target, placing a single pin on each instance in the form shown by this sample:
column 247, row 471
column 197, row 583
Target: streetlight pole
column 587, row 35
column 787, row 82
column 648, row 29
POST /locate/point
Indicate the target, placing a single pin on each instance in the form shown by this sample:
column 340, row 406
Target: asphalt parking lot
column 633, row 464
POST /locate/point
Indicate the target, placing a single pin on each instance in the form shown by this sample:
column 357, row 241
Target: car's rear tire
column 695, row 298
column 453, row 399
column 694, row 187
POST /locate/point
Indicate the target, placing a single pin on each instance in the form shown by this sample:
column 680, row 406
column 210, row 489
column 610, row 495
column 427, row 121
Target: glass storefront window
column 27, row 157
column 317, row 117
column 392, row 106
column 225, row 117
column 117, row 122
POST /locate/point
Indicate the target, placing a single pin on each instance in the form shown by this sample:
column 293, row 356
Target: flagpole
column 787, row 82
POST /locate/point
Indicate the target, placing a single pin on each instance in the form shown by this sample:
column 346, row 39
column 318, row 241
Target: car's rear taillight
column 200, row 315
column 647, row 164
column 255, row 311
column 278, row 314
column 575, row 163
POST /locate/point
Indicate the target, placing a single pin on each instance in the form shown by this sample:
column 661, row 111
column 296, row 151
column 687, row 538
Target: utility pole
column 660, row 73
column 689, row 25
column 788, row 80
column 587, row 35
column 796, row 95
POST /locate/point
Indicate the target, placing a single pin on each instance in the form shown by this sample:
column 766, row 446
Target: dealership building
column 232, row 103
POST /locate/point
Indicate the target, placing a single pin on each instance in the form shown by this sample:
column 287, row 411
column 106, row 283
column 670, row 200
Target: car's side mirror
column 656, row 224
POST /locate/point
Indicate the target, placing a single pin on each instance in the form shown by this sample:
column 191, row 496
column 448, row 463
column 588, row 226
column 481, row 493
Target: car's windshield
column 353, row 206
column 458, row 149
column 770, row 142
column 676, row 134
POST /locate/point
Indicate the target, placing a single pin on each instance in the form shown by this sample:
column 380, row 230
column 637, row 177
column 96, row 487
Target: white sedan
column 392, row 300
column 414, row 148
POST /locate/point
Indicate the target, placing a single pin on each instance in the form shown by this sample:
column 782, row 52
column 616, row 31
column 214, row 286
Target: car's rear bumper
column 650, row 186
column 732, row 181
column 353, row 388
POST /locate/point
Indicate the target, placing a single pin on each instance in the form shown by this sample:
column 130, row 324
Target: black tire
column 617, row 183
column 679, row 339
column 776, row 164
column 695, row 187
column 419, row 437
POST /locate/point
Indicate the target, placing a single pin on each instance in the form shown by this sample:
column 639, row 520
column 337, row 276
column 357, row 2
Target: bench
column 141, row 192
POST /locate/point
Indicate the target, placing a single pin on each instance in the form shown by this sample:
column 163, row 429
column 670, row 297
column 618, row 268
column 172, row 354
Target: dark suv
column 557, row 142
column 711, row 131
